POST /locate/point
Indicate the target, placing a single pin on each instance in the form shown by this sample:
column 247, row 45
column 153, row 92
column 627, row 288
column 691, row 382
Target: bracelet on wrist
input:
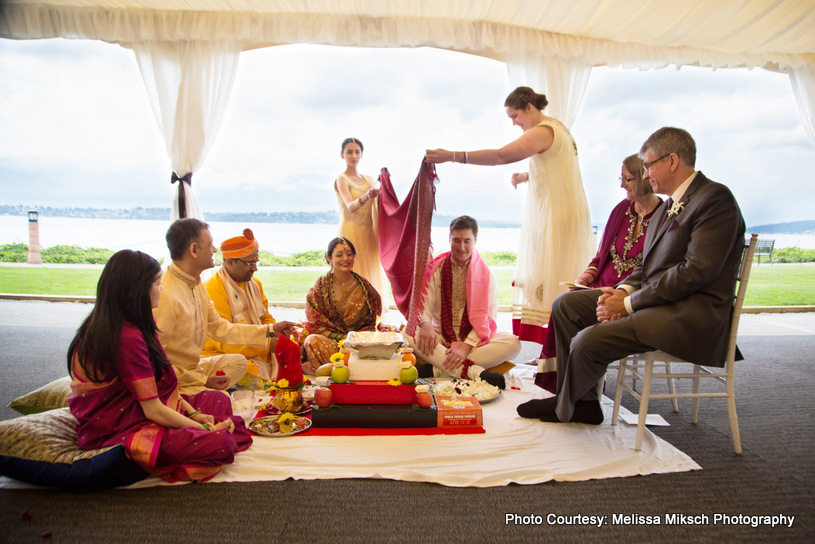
column 195, row 413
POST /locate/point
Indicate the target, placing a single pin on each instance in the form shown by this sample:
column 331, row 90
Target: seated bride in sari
column 124, row 389
column 341, row 301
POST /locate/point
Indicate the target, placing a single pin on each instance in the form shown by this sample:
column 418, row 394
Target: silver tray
column 464, row 394
column 264, row 426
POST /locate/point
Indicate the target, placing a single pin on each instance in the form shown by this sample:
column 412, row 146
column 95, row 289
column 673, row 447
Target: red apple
column 424, row 400
column 323, row 397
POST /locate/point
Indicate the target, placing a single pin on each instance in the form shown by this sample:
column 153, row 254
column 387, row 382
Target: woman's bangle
column 195, row 413
column 454, row 156
column 206, row 426
column 466, row 157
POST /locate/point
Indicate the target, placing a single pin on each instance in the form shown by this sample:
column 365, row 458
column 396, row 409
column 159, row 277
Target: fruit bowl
column 373, row 344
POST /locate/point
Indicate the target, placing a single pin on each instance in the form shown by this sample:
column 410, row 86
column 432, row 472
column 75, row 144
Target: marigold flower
column 337, row 357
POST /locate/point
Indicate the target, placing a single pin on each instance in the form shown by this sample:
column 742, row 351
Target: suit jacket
column 686, row 281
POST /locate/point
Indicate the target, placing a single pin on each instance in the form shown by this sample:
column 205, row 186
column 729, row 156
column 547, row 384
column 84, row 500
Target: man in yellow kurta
column 186, row 316
column 238, row 297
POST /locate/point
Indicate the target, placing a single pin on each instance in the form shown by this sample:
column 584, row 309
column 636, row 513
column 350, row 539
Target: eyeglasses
column 248, row 263
column 648, row 165
column 627, row 180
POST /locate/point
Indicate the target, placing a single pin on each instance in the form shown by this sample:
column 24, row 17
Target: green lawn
column 776, row 285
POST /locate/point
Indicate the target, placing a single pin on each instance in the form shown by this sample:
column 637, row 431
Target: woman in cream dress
column 556, row 237
column 357, row 200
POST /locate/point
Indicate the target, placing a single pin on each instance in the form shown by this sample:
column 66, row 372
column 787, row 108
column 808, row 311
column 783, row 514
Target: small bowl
column 243, row 404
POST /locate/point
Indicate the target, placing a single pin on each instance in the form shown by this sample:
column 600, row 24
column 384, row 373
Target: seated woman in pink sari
column 619, row 252
column 340, row 302
column 124, row 390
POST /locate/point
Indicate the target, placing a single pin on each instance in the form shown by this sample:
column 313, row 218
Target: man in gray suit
column 678, row 300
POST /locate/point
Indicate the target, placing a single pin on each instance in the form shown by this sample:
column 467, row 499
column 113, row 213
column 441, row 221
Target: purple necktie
column 668, row 205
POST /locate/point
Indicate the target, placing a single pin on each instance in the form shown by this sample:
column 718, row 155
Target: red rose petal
column 46, row 534
column 25, row 516
column 220, row 373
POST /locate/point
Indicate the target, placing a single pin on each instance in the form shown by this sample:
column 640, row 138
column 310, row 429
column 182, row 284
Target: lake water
column 279, row 238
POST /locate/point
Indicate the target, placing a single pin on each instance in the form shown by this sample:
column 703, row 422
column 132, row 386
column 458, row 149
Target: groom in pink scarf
column 456, row 330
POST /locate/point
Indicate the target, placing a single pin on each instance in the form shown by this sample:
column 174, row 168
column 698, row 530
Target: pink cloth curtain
column 404, row 237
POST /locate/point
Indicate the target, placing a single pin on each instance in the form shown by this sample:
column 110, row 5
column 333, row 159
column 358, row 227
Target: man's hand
column 456, row 354
column 426, row 338
column 284, row 328
column 218, row 382
column 610, row 305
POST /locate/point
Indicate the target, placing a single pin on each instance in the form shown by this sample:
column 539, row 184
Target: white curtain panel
column 563, row 81
column 189, row 84
column 803, row 87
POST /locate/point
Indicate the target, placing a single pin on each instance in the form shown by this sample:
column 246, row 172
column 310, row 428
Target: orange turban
column 240, row 246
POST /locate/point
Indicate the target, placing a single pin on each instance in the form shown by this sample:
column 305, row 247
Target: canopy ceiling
column 718, row 33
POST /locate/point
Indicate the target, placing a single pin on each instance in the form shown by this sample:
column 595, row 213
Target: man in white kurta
column 456, row 332
column 186, row 316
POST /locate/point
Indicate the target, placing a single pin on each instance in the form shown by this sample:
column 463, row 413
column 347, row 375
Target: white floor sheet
column 513, row 450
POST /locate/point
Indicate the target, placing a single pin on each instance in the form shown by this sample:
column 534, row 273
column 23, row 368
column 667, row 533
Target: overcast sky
column 76, row 129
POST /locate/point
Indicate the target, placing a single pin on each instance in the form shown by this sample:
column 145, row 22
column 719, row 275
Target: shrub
column 14, row 253
column 499, row 258
column 793, row 255
column 75, row 255
column 314, row 257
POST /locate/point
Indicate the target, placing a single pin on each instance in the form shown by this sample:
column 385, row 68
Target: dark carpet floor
column 774, row 476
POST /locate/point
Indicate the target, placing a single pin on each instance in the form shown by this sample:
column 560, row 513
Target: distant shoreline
column 328, row 217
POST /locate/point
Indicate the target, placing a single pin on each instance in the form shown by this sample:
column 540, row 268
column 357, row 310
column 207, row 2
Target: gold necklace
column 344, row 286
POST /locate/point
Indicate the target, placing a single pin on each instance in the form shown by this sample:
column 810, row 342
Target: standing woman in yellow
column 357, row 199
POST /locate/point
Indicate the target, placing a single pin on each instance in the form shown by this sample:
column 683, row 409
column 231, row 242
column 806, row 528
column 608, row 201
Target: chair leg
column 618, row 391
column 645, row 397
column 694, row 416
column 672, row 388
column 734, row 418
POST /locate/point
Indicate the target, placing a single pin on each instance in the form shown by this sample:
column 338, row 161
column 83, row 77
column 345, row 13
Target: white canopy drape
column 803, row 87
column 189, row 84
column 549, row 44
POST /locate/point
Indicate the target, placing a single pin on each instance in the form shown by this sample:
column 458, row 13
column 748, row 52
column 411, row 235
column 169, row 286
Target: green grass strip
column 776, row 285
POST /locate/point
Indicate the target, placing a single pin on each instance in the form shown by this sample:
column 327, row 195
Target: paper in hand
column 574, row 285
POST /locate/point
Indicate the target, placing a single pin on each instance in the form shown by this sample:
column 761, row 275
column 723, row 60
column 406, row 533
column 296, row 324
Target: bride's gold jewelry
column 346, row 286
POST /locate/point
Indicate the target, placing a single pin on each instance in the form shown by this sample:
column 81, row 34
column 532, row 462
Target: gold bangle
column 195, row 413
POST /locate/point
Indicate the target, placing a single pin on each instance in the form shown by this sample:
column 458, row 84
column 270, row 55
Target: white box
column 374, row 369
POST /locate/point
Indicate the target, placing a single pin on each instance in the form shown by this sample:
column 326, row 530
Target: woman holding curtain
column 556, row 238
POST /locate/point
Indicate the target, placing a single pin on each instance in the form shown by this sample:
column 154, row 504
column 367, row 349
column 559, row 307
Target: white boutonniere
column 675, row 209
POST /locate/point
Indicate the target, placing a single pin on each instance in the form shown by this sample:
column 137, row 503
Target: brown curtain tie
column 182, row 198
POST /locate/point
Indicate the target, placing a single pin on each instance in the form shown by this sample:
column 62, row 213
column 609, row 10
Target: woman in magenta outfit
column 124, row 390
column 620, row 250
